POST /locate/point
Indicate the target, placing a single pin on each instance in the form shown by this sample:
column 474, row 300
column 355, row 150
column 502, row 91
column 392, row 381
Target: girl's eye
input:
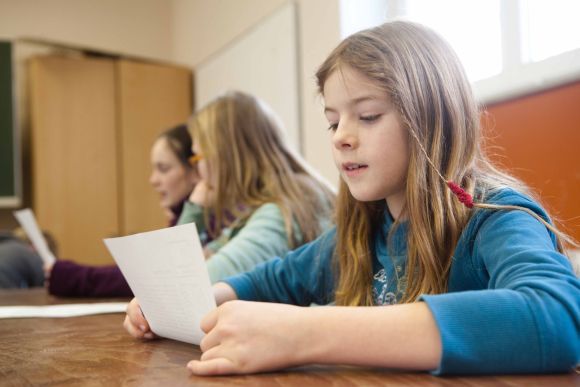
column 371, row 118
column 333, row 127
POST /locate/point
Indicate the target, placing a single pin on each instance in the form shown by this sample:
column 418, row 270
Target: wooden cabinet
column 93, row 121
column 152, row 98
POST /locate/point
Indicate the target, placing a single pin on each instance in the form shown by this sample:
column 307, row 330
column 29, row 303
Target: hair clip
column 463, row 196
column 195, row 158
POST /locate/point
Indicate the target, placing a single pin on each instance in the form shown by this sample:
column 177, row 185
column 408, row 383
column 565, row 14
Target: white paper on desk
column 28, row 223
column 166, row 271
column 63, row 310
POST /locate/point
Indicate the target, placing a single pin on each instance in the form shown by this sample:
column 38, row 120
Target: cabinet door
column 74, row 153
column 152, row 98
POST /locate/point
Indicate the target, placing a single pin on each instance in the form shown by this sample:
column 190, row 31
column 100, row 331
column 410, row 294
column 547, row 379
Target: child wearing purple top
column 174, row 178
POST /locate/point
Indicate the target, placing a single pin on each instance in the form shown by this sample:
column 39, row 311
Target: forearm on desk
column 398, row 336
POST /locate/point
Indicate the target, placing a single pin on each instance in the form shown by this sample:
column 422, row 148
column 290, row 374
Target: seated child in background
column 256, row 198
column 20, row 264
column 173, row 177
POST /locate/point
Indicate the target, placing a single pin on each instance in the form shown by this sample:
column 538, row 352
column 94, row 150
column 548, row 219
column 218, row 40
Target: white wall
column 262, row 61
column 203, row 27
column 135, row 27
column 319, row 28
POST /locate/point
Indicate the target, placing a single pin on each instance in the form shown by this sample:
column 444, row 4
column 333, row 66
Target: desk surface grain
column 95, row 350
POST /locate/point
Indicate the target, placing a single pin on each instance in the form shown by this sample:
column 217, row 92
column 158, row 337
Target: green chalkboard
column 8, row 187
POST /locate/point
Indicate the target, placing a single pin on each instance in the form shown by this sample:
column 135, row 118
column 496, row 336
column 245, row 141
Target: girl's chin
column 365, row 196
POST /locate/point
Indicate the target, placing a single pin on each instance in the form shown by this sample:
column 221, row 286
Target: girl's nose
column 153, row 180
column 345, row 136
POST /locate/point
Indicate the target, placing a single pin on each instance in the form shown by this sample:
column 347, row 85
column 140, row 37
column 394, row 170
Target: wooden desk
column 95, row 350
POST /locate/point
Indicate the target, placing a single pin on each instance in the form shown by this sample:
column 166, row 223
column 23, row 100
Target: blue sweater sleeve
column 526, row 319
column 304, row 276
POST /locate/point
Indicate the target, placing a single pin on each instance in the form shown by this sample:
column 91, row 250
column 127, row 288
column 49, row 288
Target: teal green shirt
column 261, row 237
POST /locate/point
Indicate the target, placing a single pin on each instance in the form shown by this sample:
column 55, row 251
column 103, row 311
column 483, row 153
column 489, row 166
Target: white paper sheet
column 64, row 310
column 28, row 223
column 167, row 273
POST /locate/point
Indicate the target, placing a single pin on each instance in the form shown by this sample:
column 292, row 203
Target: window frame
column 517, row 77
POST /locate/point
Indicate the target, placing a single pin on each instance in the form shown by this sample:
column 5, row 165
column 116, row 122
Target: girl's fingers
column 209, row 321
column 136, row 331
column 47, row 271
column 218, row 366
column 135, row 323
column 132, row 329
column 212, row 353
column 136, row 316
column 210, row 340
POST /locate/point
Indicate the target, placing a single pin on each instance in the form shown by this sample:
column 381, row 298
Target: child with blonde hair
column 438, row 261
column 256, row 198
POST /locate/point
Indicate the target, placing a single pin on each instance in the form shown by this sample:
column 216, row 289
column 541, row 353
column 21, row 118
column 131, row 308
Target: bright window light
column 356, row 15
column 472, row 27
column 508, row 47
column 550, row 27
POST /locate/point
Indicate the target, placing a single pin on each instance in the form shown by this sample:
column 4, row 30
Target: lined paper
column 166, row 271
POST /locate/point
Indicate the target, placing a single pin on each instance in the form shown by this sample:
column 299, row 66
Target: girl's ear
column 194, row 175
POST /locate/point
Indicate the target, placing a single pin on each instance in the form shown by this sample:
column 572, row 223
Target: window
column 472, row 28
column 508, row 47
column 551, row 28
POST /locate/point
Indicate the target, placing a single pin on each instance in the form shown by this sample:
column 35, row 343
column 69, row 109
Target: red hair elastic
column 463, row 196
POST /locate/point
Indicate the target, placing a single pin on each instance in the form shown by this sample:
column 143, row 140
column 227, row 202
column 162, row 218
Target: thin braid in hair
column 459, row 192
column 465, row 198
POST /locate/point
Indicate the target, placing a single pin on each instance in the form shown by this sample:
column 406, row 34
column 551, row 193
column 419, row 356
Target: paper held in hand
column 28, row 223
column 166, row 271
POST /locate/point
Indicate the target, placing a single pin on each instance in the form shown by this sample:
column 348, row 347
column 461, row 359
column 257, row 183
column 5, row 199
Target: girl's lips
column 353, row 169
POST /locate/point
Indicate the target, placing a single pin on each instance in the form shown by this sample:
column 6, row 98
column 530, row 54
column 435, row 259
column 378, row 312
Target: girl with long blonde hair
column 438, row 261
column 256, row 199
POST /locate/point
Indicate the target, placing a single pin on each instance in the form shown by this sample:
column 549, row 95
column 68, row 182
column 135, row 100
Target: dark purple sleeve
column 69, row 279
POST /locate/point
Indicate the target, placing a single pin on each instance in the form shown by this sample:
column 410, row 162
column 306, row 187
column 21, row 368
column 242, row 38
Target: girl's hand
column 203, row 194
column 47, row 268
column 135, row 322
column 223, row 293
column 170, row 215
column 248, row 337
